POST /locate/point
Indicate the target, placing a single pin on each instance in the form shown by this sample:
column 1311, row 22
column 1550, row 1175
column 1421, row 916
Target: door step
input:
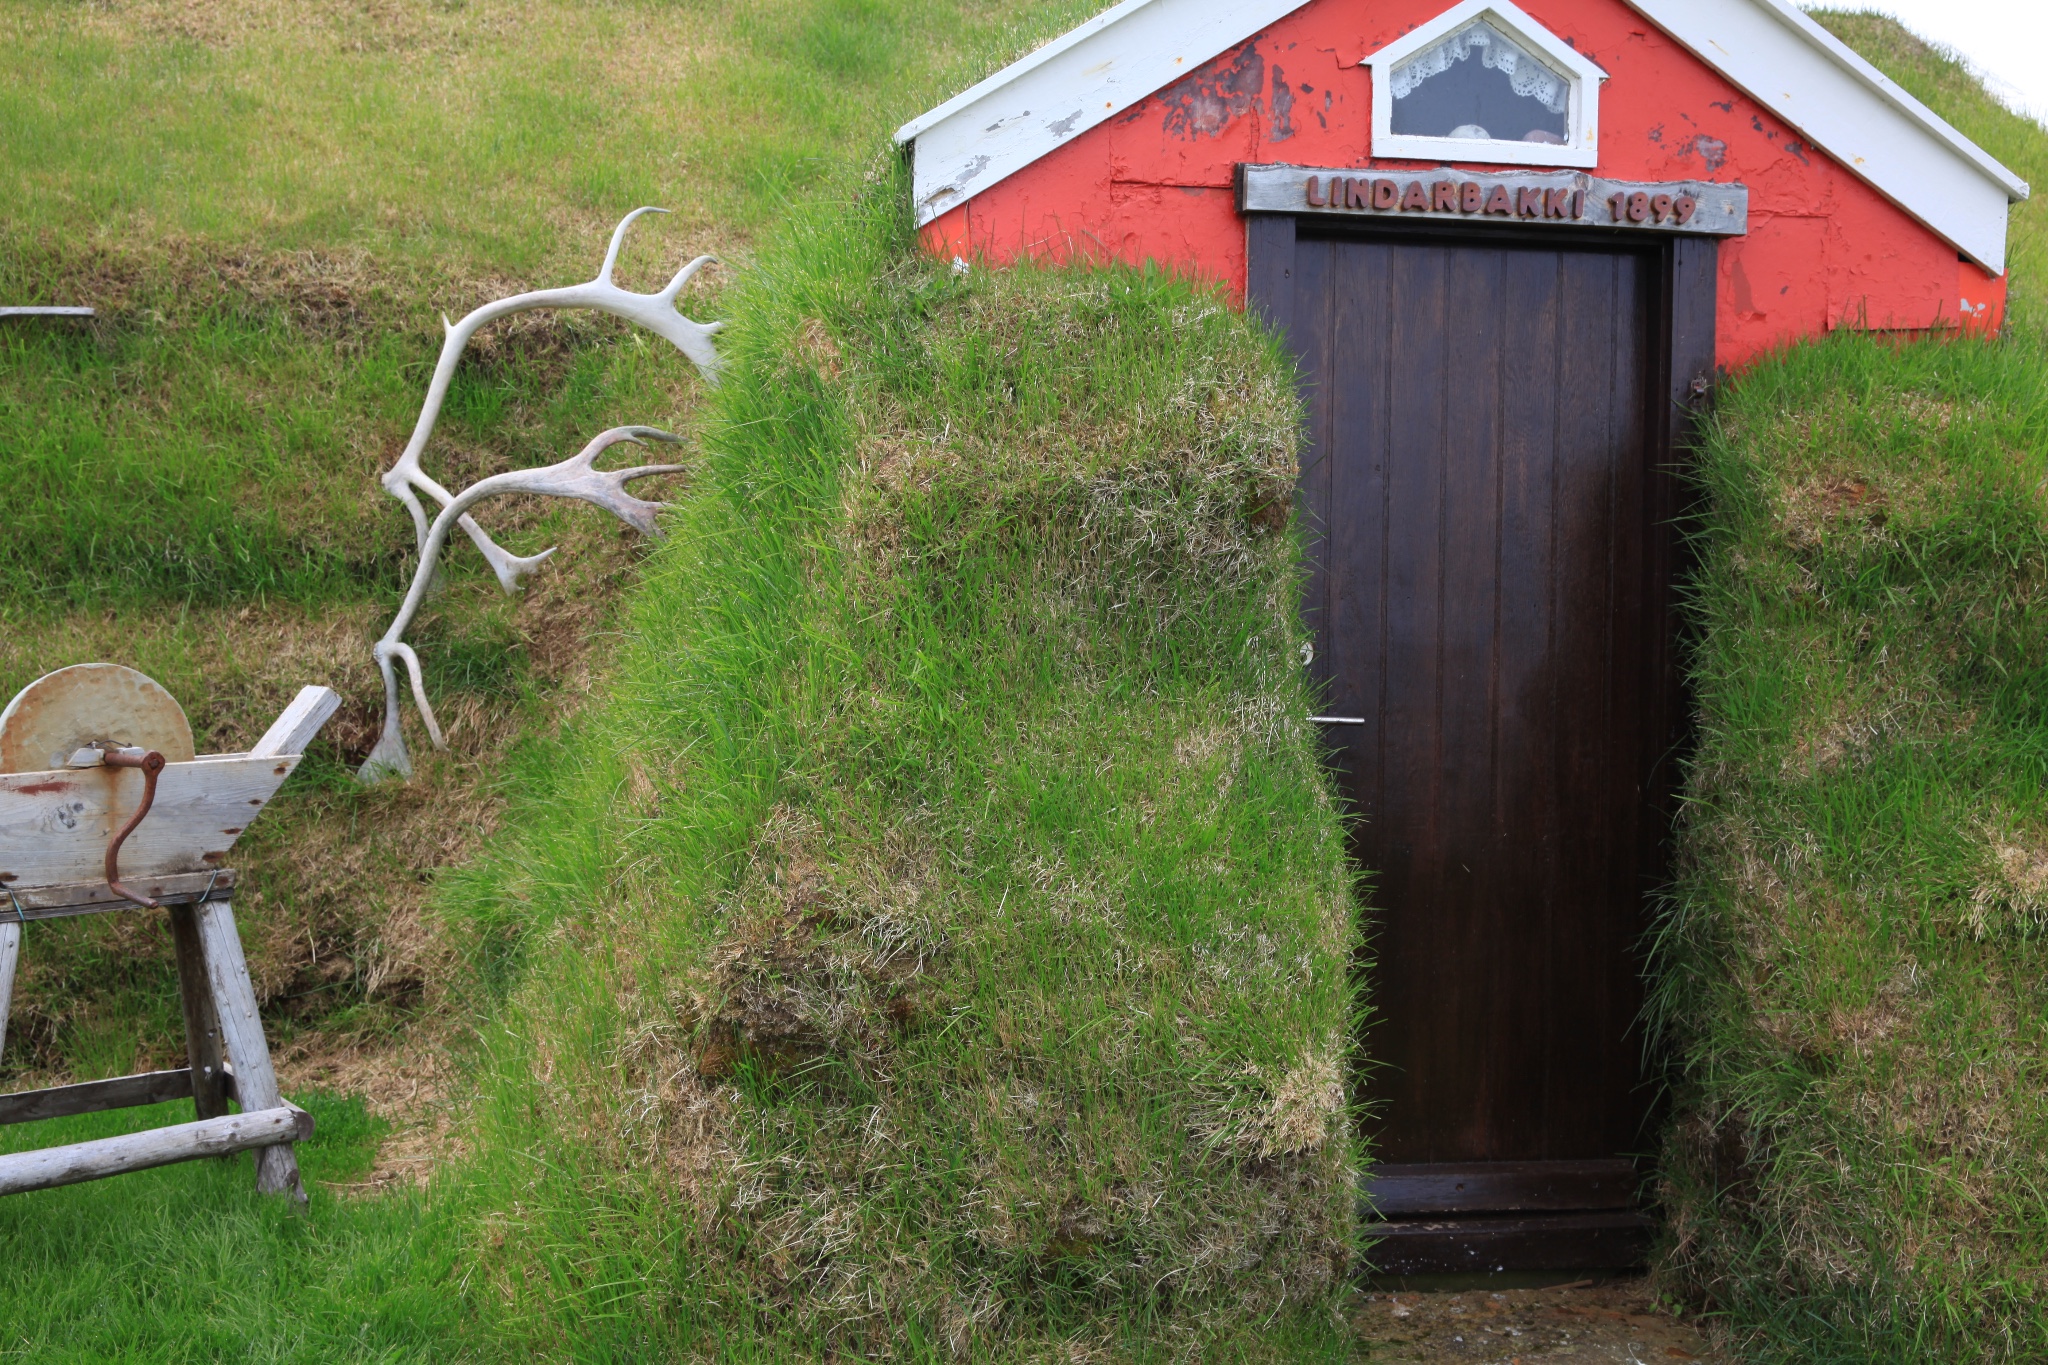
column 1487, row 1217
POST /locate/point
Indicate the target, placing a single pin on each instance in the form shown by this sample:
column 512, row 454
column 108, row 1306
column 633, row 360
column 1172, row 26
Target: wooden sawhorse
column 221, row 1026
column 170, row 824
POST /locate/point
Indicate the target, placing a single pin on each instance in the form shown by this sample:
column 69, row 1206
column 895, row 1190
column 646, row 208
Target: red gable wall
column 1823, row 250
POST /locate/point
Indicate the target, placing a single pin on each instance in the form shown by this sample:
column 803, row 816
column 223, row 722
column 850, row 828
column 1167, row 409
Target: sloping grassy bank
column 940, row 945
column 271, row 205
column 1852, row 969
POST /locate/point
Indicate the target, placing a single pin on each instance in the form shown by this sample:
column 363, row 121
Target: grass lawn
column 188, row 1263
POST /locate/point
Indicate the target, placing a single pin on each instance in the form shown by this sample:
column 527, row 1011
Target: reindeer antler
column 575, row 477
column 656, row 312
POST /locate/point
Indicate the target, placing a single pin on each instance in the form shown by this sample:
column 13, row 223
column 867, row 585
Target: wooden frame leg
column 202, row 1029
column 234, row 1003
column 10, row 953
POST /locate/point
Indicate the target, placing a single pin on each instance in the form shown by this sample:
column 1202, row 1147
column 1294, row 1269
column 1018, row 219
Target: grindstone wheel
column 60, row 713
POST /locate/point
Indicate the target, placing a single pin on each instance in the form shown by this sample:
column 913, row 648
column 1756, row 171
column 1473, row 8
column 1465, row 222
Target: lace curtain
column 1530, row 77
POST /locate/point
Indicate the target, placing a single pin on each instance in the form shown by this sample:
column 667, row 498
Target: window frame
column 1582, row 112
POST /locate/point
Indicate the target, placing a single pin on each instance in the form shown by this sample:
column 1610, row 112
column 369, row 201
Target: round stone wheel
column 60, row 713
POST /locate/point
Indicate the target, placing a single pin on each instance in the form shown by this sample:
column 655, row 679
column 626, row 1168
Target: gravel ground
column 1618, row 1321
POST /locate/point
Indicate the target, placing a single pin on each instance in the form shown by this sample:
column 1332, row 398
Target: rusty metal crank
column 151, row 763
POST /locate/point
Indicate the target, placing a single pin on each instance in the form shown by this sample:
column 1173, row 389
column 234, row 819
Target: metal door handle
column 1336, row 720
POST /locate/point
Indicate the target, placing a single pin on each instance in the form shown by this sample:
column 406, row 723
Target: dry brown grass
column 354, row 973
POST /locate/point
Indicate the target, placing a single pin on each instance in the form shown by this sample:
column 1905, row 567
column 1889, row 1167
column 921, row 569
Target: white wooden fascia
column 1583, row 113
column 1849, row 109
column 1065, row 88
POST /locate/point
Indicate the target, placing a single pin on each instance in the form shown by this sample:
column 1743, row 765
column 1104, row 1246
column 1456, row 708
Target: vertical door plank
column 1526, row 788
column 1309, row 329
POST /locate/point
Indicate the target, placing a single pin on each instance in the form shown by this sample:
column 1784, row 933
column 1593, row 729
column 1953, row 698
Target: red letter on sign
column 1498, row 202
column 1385, row 194
column 1469, row 196
column 1358, row 194
column 1559, row 202
column 1529, row 203
column 1417, row 198
column 1444, row 196
column 1639, row 206
column 1315, row 192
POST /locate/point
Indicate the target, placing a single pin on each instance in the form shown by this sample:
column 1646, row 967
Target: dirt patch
column 1619, row 1321
column 410, row 1085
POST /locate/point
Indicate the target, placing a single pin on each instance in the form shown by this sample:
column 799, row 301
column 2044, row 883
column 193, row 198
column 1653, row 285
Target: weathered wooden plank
column 210, row 1085
column 91, row 898
column 53, row 1166
column 91, row 1097
column 1560, row 199
column 54, row 825
column 10, row 954
column 293, row 730
column 1558, row 1241
column 1500, row 1187
column 234, row 1003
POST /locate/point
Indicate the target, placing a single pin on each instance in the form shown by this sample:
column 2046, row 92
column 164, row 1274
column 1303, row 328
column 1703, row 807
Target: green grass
column 188, row 1263
column 941, row 940
column 1851, row 967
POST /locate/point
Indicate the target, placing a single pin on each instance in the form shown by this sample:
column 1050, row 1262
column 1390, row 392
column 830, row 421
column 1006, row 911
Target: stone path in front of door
column 1615, row 1323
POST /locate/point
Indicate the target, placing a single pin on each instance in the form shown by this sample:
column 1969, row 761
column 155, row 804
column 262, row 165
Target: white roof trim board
column 1855, row 113
column 1766, row 48
column 1067, row 87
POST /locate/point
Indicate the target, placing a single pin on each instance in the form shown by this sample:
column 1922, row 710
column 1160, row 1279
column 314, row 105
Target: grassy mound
column 1852, row 967
column 941, row 942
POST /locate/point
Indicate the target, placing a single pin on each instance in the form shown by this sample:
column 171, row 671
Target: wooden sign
column 1552, row 199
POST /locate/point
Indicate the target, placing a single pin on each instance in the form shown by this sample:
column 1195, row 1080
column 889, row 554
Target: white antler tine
column 684, row 276
column 419, row 693
column 512, row 570
column 605, row 440
column 611, row 255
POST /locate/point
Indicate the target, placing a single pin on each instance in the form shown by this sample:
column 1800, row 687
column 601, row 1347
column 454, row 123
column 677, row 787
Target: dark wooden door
column 1489, row 485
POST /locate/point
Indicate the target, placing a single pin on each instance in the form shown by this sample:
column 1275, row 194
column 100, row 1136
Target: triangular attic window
column 1484, row 82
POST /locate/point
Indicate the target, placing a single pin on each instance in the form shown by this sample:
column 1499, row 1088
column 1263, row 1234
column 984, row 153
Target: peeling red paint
column 1824, row 249
column 1204, row 103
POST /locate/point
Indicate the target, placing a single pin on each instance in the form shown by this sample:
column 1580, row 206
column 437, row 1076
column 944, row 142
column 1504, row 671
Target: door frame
column 1526, row 1216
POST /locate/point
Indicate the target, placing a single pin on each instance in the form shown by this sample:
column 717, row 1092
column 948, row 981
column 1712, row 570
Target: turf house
column 1335, row 681
column 1511, row 249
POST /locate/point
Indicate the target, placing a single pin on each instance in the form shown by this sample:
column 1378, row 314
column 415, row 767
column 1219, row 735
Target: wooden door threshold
column 1492, row 1217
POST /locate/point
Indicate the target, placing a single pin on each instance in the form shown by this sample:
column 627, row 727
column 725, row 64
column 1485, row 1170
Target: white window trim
column 1583, row 112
